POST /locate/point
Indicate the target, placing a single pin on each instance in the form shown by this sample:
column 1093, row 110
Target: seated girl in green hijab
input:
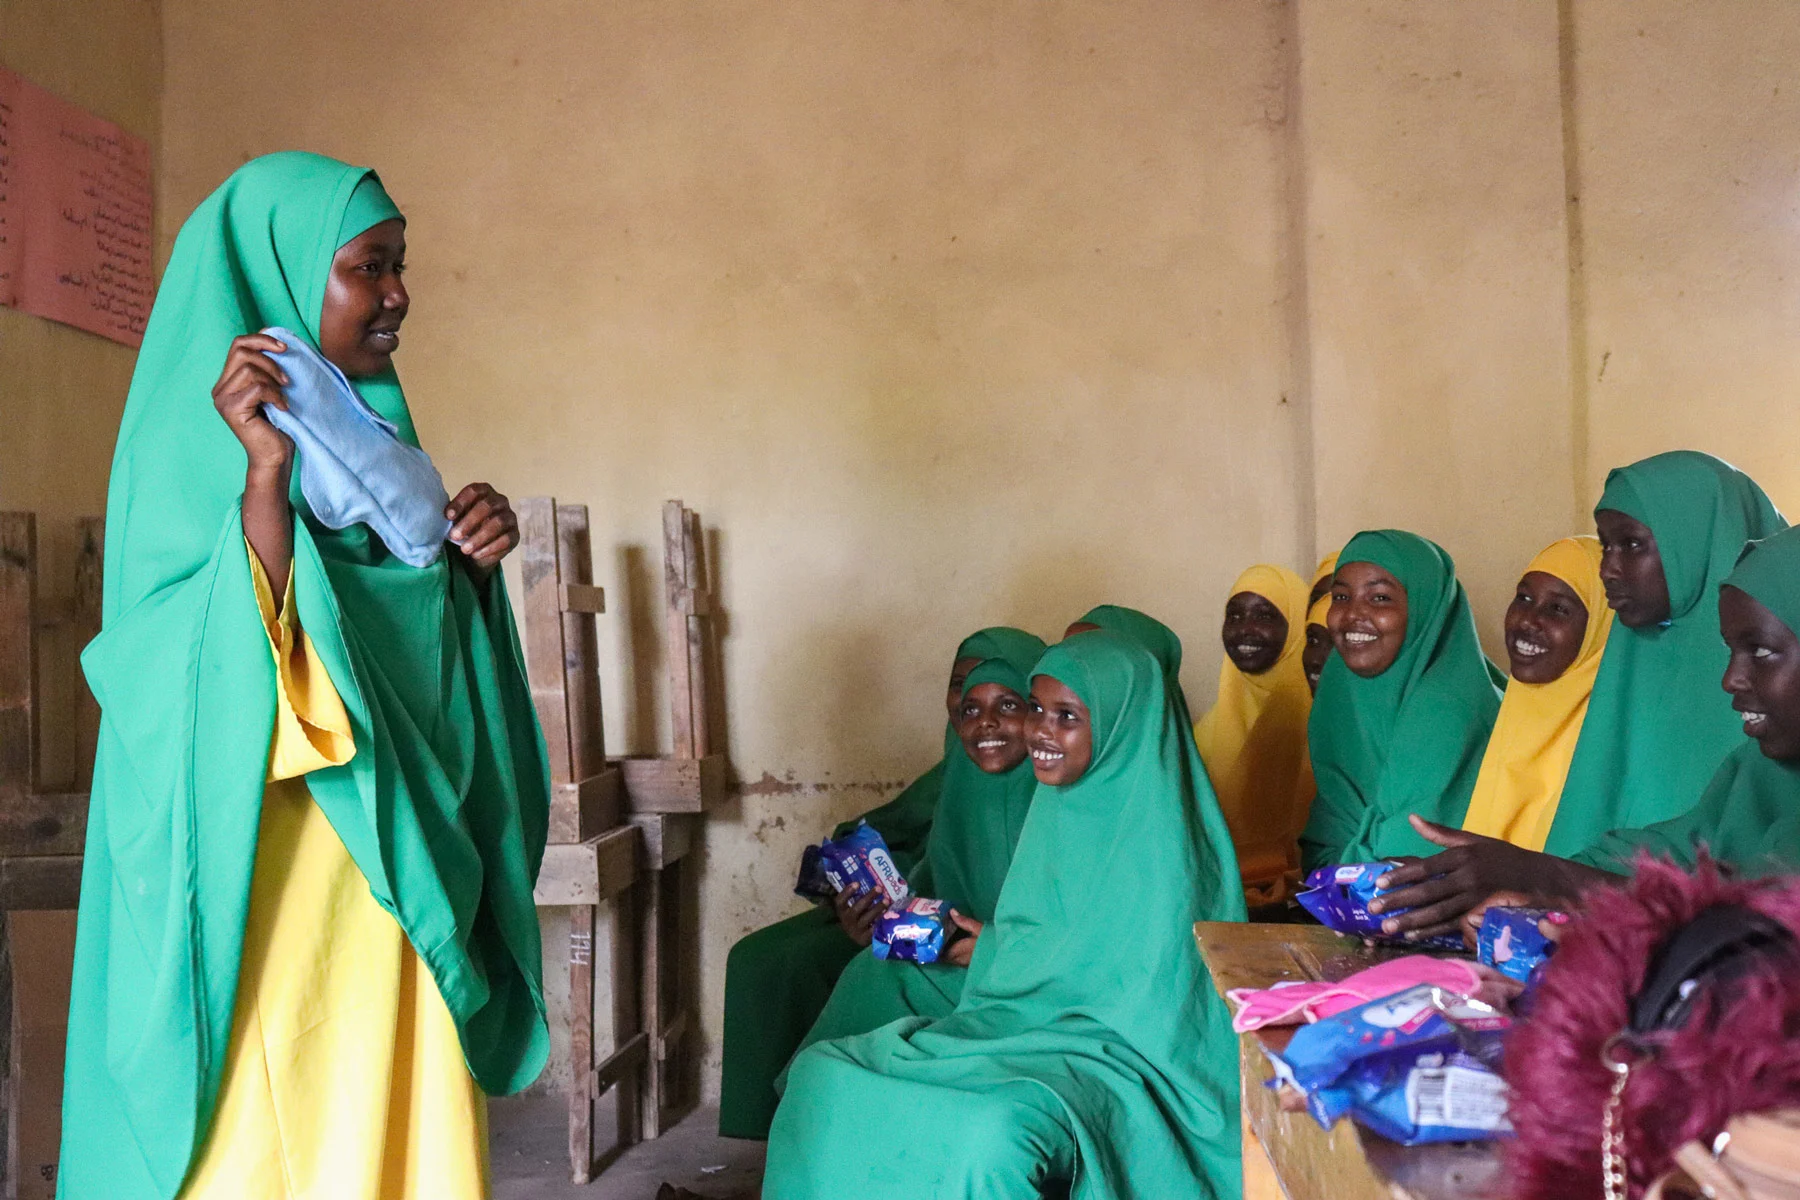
column 1074, row 1053
column 1749, row 813
column 778, row 979
column 1671, row 528
column 1404, row 707
column 307, row 943
column 988, row 786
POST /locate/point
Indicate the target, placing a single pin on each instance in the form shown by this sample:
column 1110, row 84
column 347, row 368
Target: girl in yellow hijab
column 1556, row 629
column 1254, row 740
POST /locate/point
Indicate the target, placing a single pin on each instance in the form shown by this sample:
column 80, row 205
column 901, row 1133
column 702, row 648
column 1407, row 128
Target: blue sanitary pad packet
column 860, row 860
column 1416, row 1066
column 812, row 883
column 1511, row 943
column 1436, row 1096
column 912, row 932
column 1339, row 897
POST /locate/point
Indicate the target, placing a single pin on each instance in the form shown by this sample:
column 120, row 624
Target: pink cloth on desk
column 1299, row 1003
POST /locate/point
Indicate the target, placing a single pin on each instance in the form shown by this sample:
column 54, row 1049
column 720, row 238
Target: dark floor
column 531, row 1158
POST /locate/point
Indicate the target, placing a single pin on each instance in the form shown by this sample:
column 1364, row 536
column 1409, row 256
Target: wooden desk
column 1346, row 1162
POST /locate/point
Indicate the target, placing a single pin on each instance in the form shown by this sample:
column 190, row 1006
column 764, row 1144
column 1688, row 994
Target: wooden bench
column 1346, row 1162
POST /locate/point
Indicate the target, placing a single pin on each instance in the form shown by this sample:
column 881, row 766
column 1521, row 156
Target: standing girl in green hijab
column 307, row 940
column 1404, row 708
column 1075, row 1052
column 988, row 785
column 778, row 979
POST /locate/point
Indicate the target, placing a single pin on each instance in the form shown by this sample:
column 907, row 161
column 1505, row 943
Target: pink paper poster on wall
column 75, row 205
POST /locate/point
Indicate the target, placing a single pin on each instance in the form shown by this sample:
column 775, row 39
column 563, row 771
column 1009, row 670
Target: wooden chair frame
column 593, row 856
column 667, row 797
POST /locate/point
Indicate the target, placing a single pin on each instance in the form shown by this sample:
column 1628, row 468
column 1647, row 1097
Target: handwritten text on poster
column 75, row 205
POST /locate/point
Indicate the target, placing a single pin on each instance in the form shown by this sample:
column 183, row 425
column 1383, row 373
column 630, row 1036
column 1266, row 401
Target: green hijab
column 1148, row 632
column 1749, row 815
column 904, row 822
column 971, row 848
column 1409, row 740
column 444, row 806
column 1087, row 1009
column 980, row 815
column 1658, row 725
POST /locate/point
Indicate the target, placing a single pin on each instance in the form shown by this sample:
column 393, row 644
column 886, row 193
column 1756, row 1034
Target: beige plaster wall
column 1437, row 276
column 61, row 390
column 1688, row 172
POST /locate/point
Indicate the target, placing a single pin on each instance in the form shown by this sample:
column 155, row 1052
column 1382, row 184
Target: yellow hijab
column 1253, row 742
column 1325, row 570
column 1320, row 611
column 1534, row 738
column 1320, row 608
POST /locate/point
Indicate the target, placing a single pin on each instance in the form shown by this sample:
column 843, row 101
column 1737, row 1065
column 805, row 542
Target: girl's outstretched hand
column 483, row 526
column 250, row 380
column 958, row 952
column 1440, row 889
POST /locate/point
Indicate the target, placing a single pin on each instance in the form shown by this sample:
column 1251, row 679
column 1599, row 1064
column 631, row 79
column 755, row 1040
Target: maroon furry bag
column 1737, row 1052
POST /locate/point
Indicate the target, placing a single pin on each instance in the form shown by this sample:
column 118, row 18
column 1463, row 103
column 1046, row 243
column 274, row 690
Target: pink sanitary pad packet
column 1298, row 1003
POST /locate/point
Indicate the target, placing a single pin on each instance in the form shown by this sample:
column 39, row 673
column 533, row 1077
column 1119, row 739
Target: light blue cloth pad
column 352, row 466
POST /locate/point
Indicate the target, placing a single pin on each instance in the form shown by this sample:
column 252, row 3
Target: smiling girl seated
column 778, row 979
column 1253, row 740
column 988, row 786
column 1404, row 708
column 1075, row 1053
column 1556, row 629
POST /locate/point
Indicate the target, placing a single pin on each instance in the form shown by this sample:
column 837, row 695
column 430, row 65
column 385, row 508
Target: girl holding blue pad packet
column 321, row 793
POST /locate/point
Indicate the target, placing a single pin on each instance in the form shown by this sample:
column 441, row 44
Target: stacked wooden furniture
column 1286, row 1154
column 41, row 833
column 620, row 829
column 667, row 796
column 593, row 856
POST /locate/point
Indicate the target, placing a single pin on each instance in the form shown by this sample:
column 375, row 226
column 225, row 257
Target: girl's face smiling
column 1631, row 568
column 992, row 727
column 1254, row 633
column 1368, row 618
column 1058, row 732
column 959, row 679
column 1763, row 675
column 1544, row 626
column 365, row 301
column 1312, row 659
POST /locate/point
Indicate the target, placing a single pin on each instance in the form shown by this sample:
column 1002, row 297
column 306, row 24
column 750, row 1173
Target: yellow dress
column 345, row 1078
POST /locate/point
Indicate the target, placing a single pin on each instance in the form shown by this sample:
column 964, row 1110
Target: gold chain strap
column 1614, row 1153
